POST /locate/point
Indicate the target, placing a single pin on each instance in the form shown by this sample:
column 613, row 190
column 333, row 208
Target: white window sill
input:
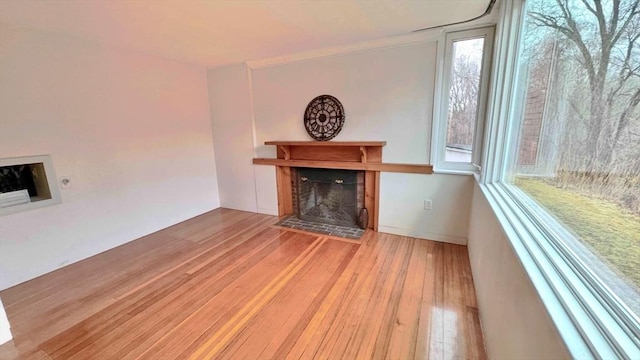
column 454, row 172
column 585, row 318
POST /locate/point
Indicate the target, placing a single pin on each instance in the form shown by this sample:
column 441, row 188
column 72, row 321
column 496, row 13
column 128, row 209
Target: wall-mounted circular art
column 324, row 117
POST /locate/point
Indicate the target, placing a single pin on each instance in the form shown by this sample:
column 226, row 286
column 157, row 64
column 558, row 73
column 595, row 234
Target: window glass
column 577, row 148
column 464, row 89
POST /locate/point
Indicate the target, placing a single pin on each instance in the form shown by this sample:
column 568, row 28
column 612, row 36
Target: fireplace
column 327, row 196
column 365, row 157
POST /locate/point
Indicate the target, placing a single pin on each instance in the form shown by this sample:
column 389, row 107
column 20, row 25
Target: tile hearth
column 321, row 228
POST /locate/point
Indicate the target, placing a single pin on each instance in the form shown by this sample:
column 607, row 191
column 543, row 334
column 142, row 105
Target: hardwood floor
column 228, row 284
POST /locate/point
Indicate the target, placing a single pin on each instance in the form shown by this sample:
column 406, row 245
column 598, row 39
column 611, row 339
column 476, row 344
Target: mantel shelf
column 326, row 143
column 348, row 165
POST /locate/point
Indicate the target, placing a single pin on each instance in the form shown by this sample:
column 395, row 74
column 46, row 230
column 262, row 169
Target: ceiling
column 218, row 32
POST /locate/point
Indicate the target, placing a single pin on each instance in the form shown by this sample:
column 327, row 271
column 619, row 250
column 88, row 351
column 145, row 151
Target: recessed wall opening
column 23, row 183
column 26, row 183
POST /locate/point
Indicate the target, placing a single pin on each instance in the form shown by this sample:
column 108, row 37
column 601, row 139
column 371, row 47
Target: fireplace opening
column 328, row 196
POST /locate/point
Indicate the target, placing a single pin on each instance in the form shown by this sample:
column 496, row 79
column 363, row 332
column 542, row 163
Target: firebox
column 328, row 196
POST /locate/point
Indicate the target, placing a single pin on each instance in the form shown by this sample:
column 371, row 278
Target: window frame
column 441, row 102
column 590, row 318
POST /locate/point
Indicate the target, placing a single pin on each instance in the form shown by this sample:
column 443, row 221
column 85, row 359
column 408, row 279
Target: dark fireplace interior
column 328, row 196
column 18, row 177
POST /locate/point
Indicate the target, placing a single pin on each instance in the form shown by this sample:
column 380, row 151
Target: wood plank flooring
column 230, row 285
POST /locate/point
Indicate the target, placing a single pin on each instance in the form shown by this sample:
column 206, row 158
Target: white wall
column 131, row 131
column 515, row 323
column 229, row 96
column 402, row 206
column 387, row 94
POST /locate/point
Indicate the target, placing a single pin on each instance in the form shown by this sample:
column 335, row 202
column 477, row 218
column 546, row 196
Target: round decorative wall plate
column 324, row 117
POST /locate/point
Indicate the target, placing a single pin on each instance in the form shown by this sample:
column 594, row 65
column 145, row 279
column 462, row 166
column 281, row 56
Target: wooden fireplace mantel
column 348, row 155
column 327, row 143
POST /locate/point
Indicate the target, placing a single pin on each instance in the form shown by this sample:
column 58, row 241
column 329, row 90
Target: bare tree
column 463, row 100
column 605, row 34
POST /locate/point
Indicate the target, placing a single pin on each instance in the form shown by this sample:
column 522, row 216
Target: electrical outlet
column 427, row 205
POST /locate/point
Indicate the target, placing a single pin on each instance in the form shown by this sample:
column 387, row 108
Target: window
column 27, row 183
column 561, row 162
column 458, row 130
column 578, row 132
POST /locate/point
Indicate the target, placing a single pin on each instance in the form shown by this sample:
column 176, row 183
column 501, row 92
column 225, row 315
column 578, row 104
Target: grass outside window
column 611, row 231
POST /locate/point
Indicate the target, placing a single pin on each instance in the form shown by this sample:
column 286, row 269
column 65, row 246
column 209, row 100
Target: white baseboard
column 451, row 239
column 273, row 212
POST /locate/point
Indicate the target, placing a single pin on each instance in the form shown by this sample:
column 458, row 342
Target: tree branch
column 625, row 70
column 614, row 19
column 589, row 7
column 602, row 24
column 576, row 109
column 624, row 116
column 573, row 34
column 632, row 13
